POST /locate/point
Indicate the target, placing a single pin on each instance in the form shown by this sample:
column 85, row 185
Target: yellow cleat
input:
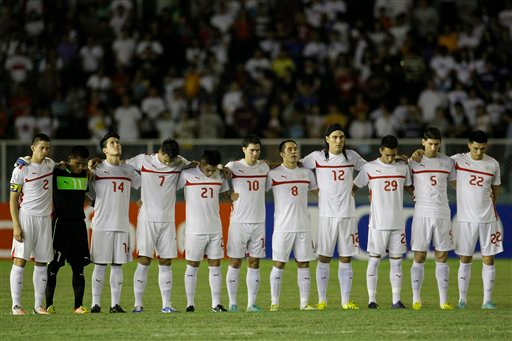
column 274, row 307
column 51, row 309
column 416, row 306
column 349, row 306
column 322, row 305
column 446, row 306
column 81, row 310
column 307, row 307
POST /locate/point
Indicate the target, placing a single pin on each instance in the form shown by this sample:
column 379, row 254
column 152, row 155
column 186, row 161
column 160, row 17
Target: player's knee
column 420, row 257
column 165, row 261
column 345, row 259
column 236, row 263
column 144, row 260
column 466, row 259
column 303, row 265
column 324, row 259
column 279, row 265
column 253, row 263
column 193, row 263
column 40, row 264
column 441, row 257
column 214, row 262
column 488, row 260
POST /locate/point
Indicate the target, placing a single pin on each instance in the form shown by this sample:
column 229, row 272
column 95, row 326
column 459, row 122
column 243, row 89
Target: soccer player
column 156, row 229
column 247, row 222
column 386, row 180
column 31, row 220
column 292, row 230
column 70, row 240
column 110, row 225
column 334, row 169
column 203, row 232
column 431, row 221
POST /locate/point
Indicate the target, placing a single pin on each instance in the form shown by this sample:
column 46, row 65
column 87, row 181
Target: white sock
column 16, row 279
column 304, row 283
column 345, row 274
column 140, row 279
column 322, row 278
column 165, row 284
column 464, row 276
column 417, row 276
column 395, row 277
column 116, row 284
column 232, row 284
column 39, row 278
column 276, row 280
column 372, row 276
column 215, row 284
column 97, row 279
column 488, row 278
column 190, row 284
column 442, row 276
column 253, row 284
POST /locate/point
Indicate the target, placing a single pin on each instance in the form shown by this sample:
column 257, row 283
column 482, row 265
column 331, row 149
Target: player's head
column 78, row 159
column 431, row 141
column 334, row 139
column 289, row 151
column 40, row 146
column 110, row 145
column 251, row 147
column 477, row 144
column 209, row 162
column 388, row 149
column 169, row 150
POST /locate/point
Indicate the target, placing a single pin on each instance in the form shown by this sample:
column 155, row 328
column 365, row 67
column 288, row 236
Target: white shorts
column 110, row 247
column 199, row 245
column 300, row 242
column 467, row 234
column 37, row 239
column 246, row 240
column 436, row 230
column 342, row 231
column 159, row 236
column 381, row 242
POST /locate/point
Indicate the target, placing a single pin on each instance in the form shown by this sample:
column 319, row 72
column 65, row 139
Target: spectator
column 127, row 117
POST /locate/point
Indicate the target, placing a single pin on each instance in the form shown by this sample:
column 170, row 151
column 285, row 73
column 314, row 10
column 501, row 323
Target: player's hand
column 417, row 155
column 93, row 163
column 17, row 233
column 139, row 203
column 225, row 172
column 234, row 196
column 62, row 164
column 23, row 161
column 402, row 157
column 192, row 164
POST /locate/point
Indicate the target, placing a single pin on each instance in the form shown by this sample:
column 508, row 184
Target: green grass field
column 290, row 323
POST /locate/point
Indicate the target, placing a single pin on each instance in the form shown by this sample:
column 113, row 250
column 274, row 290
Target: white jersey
column 202, row 200
column 158, row 186
column 430, row 178
column 335, row 177
column 290, row 188
column 249, row 183
column 112, row 185
column 36, row 182
column 386, row 184
column 474, row 181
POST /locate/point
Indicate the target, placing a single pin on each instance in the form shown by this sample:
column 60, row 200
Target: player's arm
column 495, row 191
column 417, row 155
column 315, row 191
column 354, row 189
column 13, row 208
column 453, row 184
column 410, row 190
column 229, row 195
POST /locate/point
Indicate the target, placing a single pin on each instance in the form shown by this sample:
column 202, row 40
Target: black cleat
column 95, row 309
column 190, row 309
column 398, row 305
column 219, row 309
column 117, row 309
column 372, row 305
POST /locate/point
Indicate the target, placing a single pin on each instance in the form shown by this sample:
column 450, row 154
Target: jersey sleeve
column 309, row 161
column 359, row 162
column 229, row 165
column 184, row 162
column 182, row 180
column 496, row 181
column 268, row 183
column 361, row 179
column 408, row 178
column 453, row 172
column 312, row 181
column 17, row 179
column 225, row 186
column 136, row 179
column 136, row 162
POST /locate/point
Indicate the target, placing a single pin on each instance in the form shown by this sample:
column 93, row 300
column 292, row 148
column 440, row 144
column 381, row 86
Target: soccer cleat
column 16, row 310
column 51, row 309
column 169, row 310
column 138, row 309
column 372, row 305
column 416, row 305
column 489, row 305
column 254, row 309
column 349, row 306
column 95, row 309
column 116, row 309
column 274, row 307
column 81, row 310
column 461, row 305
column 233, row 308
column 398, row 305
column 322, row 305
column 218, row 309
column 190, row 309
column 307, row 307
column 446, row 306
column 40, row 311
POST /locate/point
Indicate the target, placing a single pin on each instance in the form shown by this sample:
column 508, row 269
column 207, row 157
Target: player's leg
column 443, row 243
column 78, row 282
column 238, row 236
column 194, row 251
column 304, row 253
column 146, row 238
column 60, row 243
column 377, row 241
column 101, row 255
column 122, row 255
column 282, row 244
column 491, row 242
column 21, row 253
column 396, row 247
column 256, row 251
column 466, row 237
column 326, row 241
column 167, row 249
column 348, row 246
column 232, row 278
column 421, row 235
column 43, row 254
column 53, row 269
column 215, row 252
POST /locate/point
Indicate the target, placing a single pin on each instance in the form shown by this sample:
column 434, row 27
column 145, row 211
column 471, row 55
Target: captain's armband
column 16, row 188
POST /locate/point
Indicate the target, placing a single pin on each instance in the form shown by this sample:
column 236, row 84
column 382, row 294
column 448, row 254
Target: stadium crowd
column 222, row 69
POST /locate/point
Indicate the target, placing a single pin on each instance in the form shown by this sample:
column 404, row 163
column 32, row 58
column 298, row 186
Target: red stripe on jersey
column 159, row 172
column 248, row 176
column 317, row 165
column 430, row 171
column 277, row 183
column 203, row 183
column 111, row 178
column 39, row 177
column 386, row 177
column 471, row 170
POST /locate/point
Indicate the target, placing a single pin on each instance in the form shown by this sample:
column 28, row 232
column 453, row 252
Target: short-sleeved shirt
column 430, row 178
column 290, row 188
column 158, row 186
column 249, row 183
column 335, row 176
column 386, row 184
column 36, row 182
column 69, row 193
column 202, row 200
column 475, row 179
column 112, row 185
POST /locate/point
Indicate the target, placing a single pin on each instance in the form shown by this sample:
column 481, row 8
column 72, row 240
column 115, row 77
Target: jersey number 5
column 433, row 180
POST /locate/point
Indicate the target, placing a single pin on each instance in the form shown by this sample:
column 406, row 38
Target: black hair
column 171, row 148
column 40, row 137
column 251, row 139
column 432, row 133
column 211, row 157
column 282, row 144
column 79, row 152
column 330, row 129
column 389, row 141
column 103, row 142
column 478, row 136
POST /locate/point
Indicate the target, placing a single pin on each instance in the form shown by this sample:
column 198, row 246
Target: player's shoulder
column 352, row 154
column 459, row 156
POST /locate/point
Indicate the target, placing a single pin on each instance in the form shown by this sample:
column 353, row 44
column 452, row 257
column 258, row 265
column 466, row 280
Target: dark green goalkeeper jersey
column 69, row 193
